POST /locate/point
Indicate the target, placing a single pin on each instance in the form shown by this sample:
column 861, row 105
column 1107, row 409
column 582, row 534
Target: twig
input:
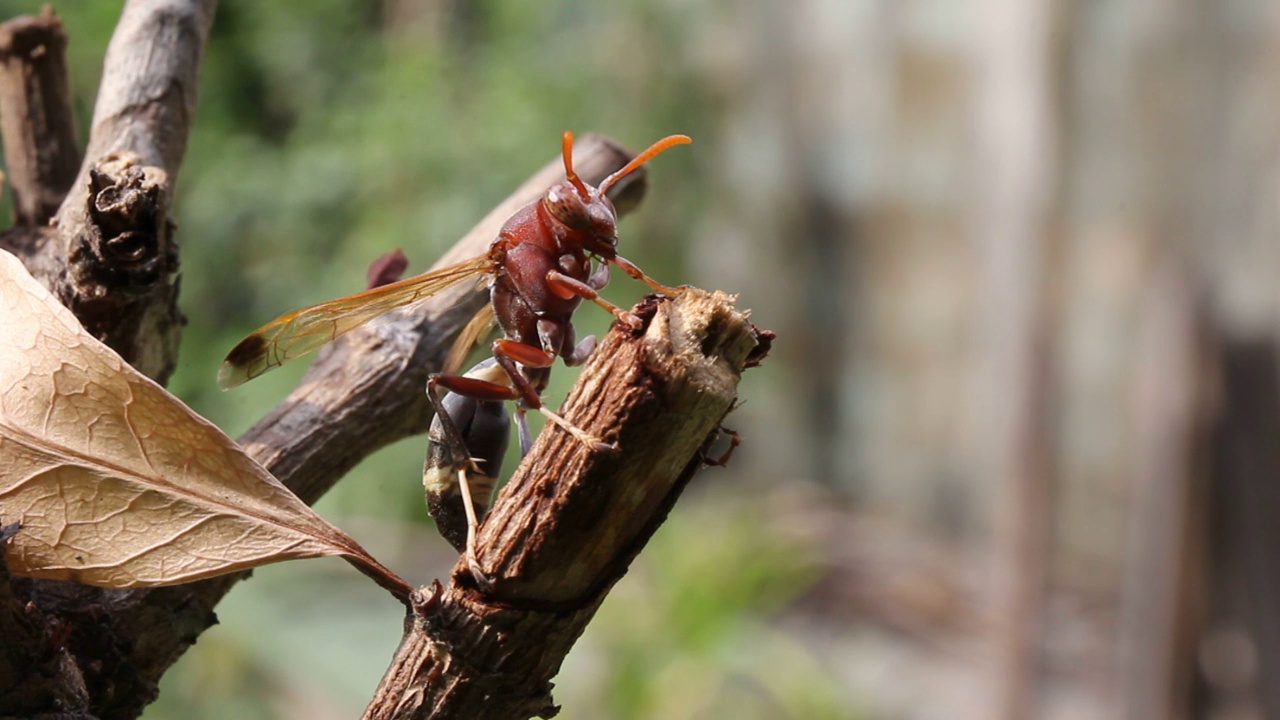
column 40, row 150
column 572, row 519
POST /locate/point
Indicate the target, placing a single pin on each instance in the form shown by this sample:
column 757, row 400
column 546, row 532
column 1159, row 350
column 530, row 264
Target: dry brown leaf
column 116, row 482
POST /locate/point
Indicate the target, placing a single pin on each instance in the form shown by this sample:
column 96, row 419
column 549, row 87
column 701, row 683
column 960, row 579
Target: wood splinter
column 572, row 519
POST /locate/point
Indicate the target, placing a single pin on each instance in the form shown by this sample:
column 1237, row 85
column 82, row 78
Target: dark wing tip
column 235, row 368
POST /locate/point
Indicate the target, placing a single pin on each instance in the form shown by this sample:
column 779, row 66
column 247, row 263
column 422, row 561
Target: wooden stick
column 571, row 521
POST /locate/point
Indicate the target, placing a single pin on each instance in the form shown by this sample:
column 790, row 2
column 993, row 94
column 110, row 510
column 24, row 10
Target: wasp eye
column 567, row 207
column 603, row 221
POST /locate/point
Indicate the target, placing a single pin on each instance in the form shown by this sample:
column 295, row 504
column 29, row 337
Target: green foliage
column 687, row 633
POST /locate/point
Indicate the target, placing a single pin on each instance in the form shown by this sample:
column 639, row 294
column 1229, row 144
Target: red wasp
column 539, row 269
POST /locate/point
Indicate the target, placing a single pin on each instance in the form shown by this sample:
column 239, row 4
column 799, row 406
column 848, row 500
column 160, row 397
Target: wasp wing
column 475, row 331
column 299, row 332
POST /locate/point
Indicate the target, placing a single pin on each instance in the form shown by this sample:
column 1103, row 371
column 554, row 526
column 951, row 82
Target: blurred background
column 1015, row 452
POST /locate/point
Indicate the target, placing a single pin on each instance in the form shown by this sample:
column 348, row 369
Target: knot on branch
column 121, row 262
column 125, row 244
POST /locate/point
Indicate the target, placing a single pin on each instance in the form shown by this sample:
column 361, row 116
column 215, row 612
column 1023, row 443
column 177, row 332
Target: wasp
column 539, row 269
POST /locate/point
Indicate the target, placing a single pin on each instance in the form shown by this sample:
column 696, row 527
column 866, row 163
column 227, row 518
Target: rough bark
column 572, row 519
column 31, row 661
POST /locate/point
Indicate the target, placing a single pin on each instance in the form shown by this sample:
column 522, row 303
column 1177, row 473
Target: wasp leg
column 600, row 277
column 473, row 561
column 566, row 287
column 522, row 427
column 451, row 436
column 508, row 353
column 735, row 441
column 581, row 352
column 631, row 269
column 563, row 336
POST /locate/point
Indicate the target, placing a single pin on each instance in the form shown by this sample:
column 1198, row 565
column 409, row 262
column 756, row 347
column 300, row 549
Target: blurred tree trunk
column 1164, row 595
column 1233, row 186
column 1016, row 195
column 1245, row 505
column 1204, row 95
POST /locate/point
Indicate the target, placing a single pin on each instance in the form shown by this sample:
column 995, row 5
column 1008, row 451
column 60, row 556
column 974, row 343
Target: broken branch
column 571, row 520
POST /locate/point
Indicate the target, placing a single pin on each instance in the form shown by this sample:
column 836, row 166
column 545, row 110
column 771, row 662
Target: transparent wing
column 474, row 332
column 298, row 333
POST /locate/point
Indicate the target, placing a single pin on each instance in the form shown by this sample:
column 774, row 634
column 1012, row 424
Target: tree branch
column 111, row 257
column 40, row 148
column 571, row 521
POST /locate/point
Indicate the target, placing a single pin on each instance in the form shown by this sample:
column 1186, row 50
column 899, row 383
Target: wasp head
column 592, row 215
column 588, row 210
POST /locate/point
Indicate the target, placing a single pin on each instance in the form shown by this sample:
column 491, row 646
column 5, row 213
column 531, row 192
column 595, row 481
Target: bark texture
column 109, row 254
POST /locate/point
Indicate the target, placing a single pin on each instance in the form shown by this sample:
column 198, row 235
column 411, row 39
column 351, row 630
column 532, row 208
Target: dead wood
column 40, row 150
column 571, row 520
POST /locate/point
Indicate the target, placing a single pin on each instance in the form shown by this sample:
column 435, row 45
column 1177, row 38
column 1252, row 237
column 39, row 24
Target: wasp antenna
column 644, row 157
column 566, row 146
